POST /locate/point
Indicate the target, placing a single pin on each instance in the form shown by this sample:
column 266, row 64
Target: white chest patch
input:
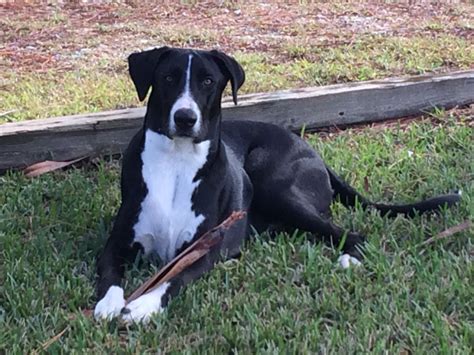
column 167, row 220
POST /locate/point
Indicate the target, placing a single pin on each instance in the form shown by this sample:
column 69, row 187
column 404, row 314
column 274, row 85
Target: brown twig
column 449, row 232
column 188, row 257
column 49, row 342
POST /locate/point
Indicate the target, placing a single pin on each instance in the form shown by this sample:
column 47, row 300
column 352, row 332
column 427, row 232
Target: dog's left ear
column 141, row 66
column 232, row 69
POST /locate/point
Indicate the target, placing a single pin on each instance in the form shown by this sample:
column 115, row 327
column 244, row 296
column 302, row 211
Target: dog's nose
column 185, row 118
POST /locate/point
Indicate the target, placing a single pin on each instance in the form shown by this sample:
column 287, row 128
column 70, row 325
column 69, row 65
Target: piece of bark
column 104, row 133
column 189, row 256
column 47, row 166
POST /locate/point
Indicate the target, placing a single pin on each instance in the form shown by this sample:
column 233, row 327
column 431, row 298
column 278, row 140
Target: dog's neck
column 215, row 149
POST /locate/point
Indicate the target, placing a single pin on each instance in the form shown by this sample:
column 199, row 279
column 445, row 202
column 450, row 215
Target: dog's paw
column 144, row 307
column 111, row 304
column 346, row 260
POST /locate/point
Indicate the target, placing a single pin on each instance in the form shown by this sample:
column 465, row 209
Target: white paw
column 111, row 304
column 144, row 307
column 345, row 261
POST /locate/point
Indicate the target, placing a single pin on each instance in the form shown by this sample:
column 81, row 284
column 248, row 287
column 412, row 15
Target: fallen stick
column 7, row 112
column 449, row 232
column 51, row 341
column 189, row 256
column 184, row 259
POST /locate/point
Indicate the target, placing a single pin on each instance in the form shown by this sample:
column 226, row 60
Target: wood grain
column 70, row 137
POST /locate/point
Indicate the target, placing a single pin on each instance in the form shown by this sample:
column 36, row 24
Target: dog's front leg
column 110, row 270
column 145, row 306
column 153, row 302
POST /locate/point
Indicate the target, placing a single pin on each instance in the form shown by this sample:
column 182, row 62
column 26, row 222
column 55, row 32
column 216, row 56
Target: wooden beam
column 63, row 138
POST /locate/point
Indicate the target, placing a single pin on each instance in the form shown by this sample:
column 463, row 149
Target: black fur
column 262, row 168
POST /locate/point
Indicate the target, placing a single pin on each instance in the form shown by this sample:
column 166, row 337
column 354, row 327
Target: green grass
column 105, row 84
column 373, row 57
column 51, row 94
column 283, row 295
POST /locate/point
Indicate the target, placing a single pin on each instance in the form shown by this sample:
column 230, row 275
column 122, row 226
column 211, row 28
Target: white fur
column 345, row 261
column 167, row 220
column 111, row 304
column 144, row 307
column 186, row 101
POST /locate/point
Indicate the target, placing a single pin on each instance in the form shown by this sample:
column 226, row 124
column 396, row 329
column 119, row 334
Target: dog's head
column 187, row 86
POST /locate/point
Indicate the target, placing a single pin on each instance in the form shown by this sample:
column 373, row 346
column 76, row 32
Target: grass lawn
column 285, row 294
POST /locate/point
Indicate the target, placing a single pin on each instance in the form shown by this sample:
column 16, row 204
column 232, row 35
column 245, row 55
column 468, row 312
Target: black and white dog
column 185, row 171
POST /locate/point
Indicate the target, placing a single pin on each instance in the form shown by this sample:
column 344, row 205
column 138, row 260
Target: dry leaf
column 47, row 166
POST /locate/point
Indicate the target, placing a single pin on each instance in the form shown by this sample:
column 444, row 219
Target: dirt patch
column 70, row 34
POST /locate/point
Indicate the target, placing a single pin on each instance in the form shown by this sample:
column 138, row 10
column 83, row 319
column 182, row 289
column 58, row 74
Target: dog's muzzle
column 185, row 119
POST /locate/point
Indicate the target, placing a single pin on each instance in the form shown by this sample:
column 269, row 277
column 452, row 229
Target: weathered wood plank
column 68, row 137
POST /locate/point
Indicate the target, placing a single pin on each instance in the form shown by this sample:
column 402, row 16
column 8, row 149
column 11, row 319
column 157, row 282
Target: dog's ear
column 141, row 66
column 232, row 69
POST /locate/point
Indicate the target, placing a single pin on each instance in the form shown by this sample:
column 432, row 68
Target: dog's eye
column 208, row 82
column 169, row 78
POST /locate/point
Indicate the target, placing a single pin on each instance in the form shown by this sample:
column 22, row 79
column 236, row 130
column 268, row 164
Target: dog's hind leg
column 296, row 192
column 296, row 209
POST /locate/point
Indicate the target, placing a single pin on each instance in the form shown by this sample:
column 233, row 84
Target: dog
column 186, row 170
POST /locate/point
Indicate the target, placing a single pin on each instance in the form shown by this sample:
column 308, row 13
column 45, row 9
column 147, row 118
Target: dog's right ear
column 141, row 66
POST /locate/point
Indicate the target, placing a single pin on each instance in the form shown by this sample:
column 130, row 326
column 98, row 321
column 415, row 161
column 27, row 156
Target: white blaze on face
column 186, row 101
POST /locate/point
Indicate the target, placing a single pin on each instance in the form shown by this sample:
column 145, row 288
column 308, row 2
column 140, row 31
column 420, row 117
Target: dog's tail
column 348, row 196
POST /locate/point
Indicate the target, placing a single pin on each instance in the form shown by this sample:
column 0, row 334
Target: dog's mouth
column 185, row 133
